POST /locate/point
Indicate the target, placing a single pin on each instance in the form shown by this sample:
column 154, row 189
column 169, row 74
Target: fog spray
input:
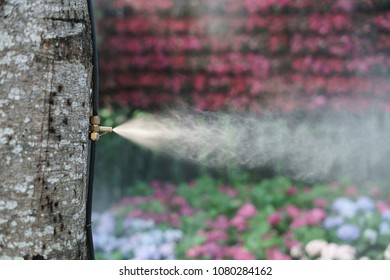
column 305, row 146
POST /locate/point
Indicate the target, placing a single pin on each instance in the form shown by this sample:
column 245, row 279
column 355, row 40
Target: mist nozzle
column 95, row 129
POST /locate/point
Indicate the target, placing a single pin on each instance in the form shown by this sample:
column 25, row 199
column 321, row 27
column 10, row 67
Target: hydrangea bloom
column 365, row 203
column 333, row 222
column 106, row 225
column 239, row 253
column 386, row 216
column 345, row 207
column 345, row 252
column 140, row 238
column 329, row 251
column 274, row 218
column 274, row 253
column 292, row 211
column 247, row 211
column 296, row 251
column 371, row 235
column 314, row 247
column 384, row 228
column 315, row 216
column 348, row 232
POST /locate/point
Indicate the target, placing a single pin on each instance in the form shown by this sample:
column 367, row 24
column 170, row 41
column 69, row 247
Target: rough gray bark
column 45, row 81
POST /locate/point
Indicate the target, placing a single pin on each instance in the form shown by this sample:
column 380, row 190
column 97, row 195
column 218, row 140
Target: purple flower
column 345, row 207
column 384, row 229
column 106, row 224
column 365, row 203
column 333, row 221
column 386, row 216
column 348, row 232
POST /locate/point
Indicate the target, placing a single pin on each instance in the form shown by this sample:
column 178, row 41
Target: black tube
column 92, row 149
column 95, row 62
column 90, row 247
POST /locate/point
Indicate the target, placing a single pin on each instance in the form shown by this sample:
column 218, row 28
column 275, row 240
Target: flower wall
column 246, row 55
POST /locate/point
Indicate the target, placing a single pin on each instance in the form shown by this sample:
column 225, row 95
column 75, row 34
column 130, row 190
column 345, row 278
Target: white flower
column 345, row 252
column 315, row 247
column 329, row 252
column 386, row 254
column 296, row 251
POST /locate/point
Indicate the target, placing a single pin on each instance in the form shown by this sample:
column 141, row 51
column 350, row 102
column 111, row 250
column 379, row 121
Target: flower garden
column 273, row 219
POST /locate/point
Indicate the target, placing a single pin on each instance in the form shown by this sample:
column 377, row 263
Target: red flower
column 274, row 218
column 292, row 191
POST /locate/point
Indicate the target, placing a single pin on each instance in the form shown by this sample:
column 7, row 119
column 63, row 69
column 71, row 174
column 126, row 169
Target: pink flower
column 382, row 206
column 292, row 211
column 174, row 219
column 215, row 235
column 290, row 243
column 274, row 218
column 247, row 211
column 351, row 191
column 375, row 192
column 320, row 202
column 221, row 223
column 292, row 191
column 298, row 222
column 239, row 222
column 319, row 101
column 179, row 201
column 194, row 252
column 274, row 253
column 346, row 5
column 315, row 216
column 239, row 253
column 186, row 211
column 228, row 190
column 214, row 251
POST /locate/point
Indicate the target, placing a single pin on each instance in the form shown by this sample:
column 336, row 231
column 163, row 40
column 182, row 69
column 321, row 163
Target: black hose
column 92, row 150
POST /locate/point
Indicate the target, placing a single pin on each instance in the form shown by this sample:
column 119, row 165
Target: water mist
column 306, row 146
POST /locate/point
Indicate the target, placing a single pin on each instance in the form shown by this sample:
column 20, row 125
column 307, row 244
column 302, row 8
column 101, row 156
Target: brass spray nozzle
column 95, row 129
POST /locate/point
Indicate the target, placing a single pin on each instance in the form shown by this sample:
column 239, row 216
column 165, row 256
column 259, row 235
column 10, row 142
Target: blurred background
column 300, row 59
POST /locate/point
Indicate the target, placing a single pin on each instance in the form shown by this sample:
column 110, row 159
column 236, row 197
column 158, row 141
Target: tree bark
column 45, row 82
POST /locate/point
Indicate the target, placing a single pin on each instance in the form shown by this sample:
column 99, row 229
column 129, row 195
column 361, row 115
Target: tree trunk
column 45, row 82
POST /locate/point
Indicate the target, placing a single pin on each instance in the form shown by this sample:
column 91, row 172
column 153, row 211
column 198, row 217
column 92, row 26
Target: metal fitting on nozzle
column 95, row 129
